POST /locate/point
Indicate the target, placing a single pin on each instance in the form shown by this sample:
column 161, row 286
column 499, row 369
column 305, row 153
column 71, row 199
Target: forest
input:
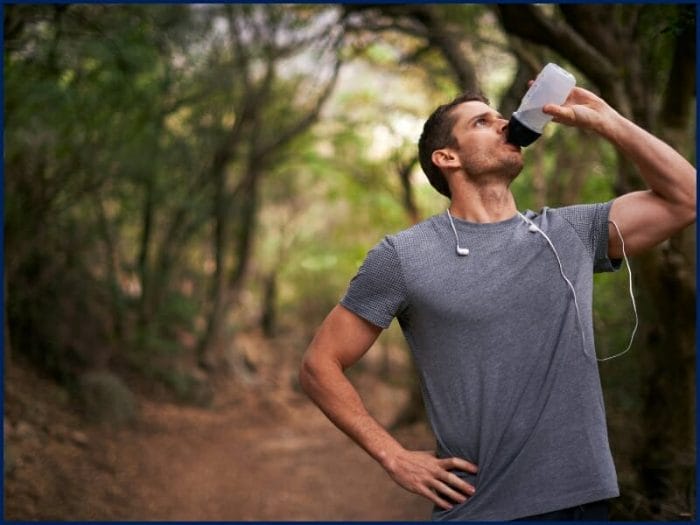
column 189, row 189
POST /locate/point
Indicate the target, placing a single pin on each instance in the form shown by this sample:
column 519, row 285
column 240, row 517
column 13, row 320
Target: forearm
column 334, row 394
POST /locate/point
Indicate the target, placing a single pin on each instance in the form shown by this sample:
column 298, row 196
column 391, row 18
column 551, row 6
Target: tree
column 155, row 130
column 259, row 39
column 74, row 93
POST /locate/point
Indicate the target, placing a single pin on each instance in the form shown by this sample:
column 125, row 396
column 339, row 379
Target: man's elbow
column 310, row 373
column 306, row 374
column 690, row 204
column 692, row 215
column 689, row 212
column 682, row 207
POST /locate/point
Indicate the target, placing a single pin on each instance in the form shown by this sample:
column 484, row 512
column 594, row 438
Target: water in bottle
column 552, row 86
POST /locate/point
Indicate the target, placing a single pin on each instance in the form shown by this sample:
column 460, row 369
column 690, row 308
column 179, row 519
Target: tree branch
column 590, row 21
column 531, row 23
column 409, row 203
column 423, row 21
column 448, row 42
column 303, row 123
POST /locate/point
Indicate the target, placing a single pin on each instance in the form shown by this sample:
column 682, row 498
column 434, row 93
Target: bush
column 106, row 399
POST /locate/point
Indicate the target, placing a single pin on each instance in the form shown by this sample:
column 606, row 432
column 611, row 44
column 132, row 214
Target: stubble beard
column 484, row 168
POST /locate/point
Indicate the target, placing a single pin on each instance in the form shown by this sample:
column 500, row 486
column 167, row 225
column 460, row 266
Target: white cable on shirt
column 534, row 227
column 634, row 304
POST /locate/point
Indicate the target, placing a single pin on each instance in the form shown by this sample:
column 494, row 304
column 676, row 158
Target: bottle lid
column 519, row 134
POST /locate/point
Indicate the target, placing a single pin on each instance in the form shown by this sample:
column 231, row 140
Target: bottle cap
column 519, row 134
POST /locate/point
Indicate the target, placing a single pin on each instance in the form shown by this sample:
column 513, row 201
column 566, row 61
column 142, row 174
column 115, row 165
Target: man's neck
column 483, row 203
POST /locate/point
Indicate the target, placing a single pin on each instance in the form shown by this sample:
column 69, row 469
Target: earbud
column 532, row 227
column 460, row 251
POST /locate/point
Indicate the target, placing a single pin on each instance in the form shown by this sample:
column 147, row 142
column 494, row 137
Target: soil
column 261, row 451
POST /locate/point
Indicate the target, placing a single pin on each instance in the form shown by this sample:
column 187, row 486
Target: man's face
column 480, row 133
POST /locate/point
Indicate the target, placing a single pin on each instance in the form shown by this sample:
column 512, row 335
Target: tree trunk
column 117, row 302
column 262, row 152
column 408, row 199
column 208, row 346
column 8, row 347
column 144, row 316
column 268, row 321
column 666, row 452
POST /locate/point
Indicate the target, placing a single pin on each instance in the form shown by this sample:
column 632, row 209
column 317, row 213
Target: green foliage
column 78, row 119
column 141, row 98
column 116, row 115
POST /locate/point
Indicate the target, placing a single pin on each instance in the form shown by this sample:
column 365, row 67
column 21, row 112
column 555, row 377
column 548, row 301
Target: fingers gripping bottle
column 552, row 86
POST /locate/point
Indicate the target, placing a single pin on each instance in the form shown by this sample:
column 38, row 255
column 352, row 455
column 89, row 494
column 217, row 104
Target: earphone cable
column 566, row 279
column 634, row 304
column 534, row 227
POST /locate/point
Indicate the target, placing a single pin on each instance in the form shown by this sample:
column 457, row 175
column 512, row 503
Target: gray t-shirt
column 509, row 379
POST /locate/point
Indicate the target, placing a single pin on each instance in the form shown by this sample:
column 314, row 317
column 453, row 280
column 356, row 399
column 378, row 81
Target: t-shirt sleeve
column 590, row 221
column 377, row 292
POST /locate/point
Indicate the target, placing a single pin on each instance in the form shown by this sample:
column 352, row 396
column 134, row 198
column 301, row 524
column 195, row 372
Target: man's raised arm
column 649, row 217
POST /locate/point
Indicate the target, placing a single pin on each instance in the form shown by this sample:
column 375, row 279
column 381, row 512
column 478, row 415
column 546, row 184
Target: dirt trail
column 253, row 456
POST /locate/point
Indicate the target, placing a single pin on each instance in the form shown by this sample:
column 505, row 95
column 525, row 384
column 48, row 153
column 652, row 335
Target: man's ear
column 445, row 158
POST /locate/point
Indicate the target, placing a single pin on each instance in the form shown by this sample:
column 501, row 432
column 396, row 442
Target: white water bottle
column 552, row 86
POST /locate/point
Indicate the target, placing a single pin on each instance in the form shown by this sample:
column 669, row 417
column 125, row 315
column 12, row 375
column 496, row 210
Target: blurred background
column 189, row 189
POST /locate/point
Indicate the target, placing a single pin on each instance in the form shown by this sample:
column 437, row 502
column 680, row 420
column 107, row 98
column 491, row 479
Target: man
column 496, row 309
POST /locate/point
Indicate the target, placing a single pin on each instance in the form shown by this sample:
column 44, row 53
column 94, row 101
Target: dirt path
column 252, row 457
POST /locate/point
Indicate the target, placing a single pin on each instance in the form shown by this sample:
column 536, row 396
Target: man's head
column 437, row 133
column 465, row 145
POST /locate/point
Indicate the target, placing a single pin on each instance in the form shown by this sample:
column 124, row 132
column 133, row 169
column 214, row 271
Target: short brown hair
column 437, row 133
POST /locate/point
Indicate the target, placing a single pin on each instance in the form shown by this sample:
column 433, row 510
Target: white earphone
column 460, row 251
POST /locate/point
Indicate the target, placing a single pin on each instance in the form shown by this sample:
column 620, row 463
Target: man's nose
column 502, row 125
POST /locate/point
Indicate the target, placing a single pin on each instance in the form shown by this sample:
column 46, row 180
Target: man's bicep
column 344, row 337
column 644, row 220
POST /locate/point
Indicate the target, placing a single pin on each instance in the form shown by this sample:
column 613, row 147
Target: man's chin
column 512, row 168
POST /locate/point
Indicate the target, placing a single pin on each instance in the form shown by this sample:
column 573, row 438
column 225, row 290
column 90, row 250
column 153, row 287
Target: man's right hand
column 431, row 477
